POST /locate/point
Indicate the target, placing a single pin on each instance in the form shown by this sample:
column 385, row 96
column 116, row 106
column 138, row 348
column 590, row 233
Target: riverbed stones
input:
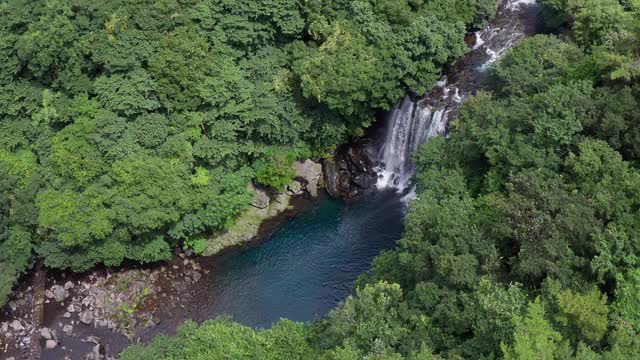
column 13, row 306
column 46, row 333
column 67, row 329
column 59, row 292
column 51, row 344
column 196, row 276
column 86, row 317
column 17, row 326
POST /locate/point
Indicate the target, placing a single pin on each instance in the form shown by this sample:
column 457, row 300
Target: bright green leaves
column 149, row 192
column 627, row 303
column 584, row 314
column 76, row 219
column 224, row 339
column 275, row 170
column 535, row 338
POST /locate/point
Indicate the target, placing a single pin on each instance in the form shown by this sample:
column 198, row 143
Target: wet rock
column 4, row 327
column 13, row 305
column 66, row 315
column 51, row 344
column 331, row 177
column 86, row 317
column 260, row 198
column 365, row 180
column 71, row 308
column 349, row 173
column 68, row 285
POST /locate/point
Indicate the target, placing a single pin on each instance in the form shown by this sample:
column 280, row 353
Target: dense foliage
column 525, row 240
column 129, row 126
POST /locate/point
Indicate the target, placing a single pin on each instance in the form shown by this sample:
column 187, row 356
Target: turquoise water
column 304, row 268
column 300, row 272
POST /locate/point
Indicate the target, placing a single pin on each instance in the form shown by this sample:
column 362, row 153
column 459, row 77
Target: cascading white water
column 410, row 126
column 411, row 123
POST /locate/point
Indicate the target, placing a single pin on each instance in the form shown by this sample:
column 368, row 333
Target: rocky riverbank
column 95, row 315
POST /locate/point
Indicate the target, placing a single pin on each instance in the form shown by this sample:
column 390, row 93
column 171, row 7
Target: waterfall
column 410, row 126
column 412, row 123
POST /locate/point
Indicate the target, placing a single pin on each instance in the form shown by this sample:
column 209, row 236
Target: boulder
column 308, row 170
column 365, row 180
column 332, row 177
column 51, row 344
column 46, row 333
column 312, row 187
column 295, row 188
column 17, row 326
column 196, row 276
column 59, row 293
column 86, row 317
column 67, row 329
column 260, row 198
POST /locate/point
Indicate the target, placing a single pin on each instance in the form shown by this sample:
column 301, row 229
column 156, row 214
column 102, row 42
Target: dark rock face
column 349, row 173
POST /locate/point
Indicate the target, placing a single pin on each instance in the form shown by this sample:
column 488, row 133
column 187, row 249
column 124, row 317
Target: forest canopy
column 524, row 242
column 130, row 126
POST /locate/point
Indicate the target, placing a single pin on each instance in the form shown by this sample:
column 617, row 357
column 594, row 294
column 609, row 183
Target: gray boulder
column 260, row 198
column 308, row 170
column 59, row 293
column 86, row 317
column 51, row 344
